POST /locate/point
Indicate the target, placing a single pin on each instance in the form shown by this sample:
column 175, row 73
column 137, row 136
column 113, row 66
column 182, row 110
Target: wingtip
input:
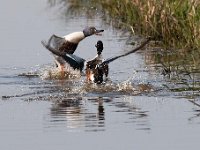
column 44, row 43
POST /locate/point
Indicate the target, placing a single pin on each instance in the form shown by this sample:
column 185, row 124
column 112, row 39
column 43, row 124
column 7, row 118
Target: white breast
column 91, row 77
column 98, row 58
column 74, row 37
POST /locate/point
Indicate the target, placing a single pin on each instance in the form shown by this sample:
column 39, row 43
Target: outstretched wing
column 107, row 61
column 52, row 49
column 61, row 44
column 56, row 42
column 73, row 60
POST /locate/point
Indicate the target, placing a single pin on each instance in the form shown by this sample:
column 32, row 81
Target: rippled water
column 132, row 110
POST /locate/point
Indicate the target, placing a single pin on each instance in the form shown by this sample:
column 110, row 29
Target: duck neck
column 98, row 53
column 75, row 37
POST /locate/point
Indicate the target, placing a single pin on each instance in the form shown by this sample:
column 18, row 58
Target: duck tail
column 73, row 60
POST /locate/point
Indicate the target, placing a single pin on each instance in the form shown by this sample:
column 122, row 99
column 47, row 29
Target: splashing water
column 55, row 73
column 73, row 84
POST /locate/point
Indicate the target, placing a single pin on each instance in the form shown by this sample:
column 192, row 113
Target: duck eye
column 94, row 30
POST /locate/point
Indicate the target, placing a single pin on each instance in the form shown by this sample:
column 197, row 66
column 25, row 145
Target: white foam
column 50, row 72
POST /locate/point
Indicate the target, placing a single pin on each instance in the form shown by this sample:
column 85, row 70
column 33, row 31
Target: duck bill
column 99, row 32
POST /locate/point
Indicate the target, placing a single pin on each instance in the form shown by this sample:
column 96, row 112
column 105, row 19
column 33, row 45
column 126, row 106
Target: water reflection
column 76, row 114
column 89, row 114
column 179, row 68
column 196, row 111
column 79, row 106
column 196, row 117
column 44, row 111
column 136, row 115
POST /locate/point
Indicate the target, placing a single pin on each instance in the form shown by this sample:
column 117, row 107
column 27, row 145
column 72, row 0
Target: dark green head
column 99, row 47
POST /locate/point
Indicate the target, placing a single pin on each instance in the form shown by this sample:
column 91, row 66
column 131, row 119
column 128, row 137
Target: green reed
column 175, row 22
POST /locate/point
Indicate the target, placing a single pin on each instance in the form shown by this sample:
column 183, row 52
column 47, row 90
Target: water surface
column 133, row 110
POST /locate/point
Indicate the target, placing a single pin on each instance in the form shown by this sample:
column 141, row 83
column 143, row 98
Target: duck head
column 88, row 31
column 99, row 47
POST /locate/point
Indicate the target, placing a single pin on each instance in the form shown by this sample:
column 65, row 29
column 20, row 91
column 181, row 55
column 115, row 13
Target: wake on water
column 50, row 72
column 74, row 84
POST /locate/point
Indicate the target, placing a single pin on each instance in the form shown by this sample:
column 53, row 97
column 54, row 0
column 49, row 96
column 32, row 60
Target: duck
column 95, row 70
column 62, row 46
column 98, row 67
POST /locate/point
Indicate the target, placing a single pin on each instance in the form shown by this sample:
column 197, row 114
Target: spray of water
column 51, row 72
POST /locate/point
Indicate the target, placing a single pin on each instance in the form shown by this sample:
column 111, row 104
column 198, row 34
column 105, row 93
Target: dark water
column 133, row 110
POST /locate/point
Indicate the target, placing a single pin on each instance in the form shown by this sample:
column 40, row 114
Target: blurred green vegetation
column 175, row 22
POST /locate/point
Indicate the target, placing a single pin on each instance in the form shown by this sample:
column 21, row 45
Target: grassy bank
column 175, row 22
